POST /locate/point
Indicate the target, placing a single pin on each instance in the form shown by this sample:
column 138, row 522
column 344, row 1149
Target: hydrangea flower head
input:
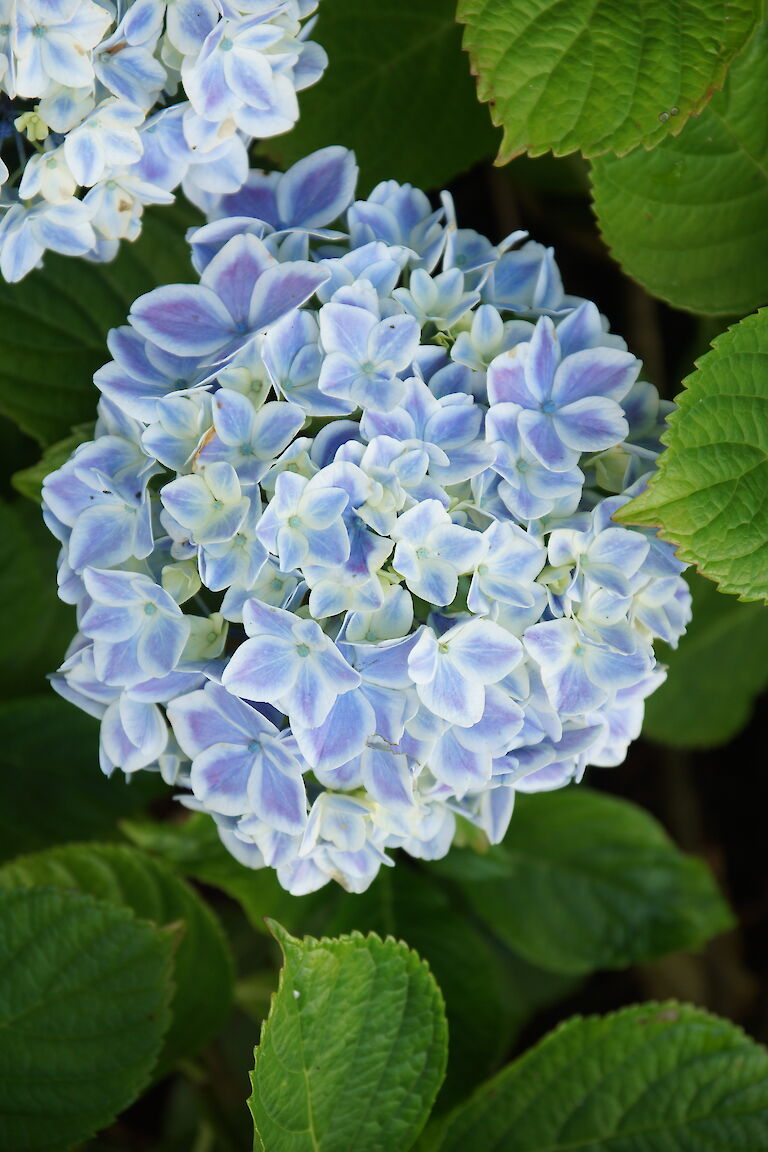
column 108, row 106
column 342, row 548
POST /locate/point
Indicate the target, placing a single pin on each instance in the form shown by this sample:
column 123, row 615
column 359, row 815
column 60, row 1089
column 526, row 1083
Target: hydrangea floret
column 107, row 106
column 342, row 548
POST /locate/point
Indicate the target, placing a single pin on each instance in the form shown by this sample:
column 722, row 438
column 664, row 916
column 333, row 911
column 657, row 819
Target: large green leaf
column 690, row 219
column 713, row 675
column 83, row 1009
column 51, row 788
column 353, row 1050
column 585, row 881
column 651, row 1078
column 489, row 991
column 709, row 494
column 35, row 626
column 599, row 75
column 202, row 969
column 397, row 90
column 53, row 324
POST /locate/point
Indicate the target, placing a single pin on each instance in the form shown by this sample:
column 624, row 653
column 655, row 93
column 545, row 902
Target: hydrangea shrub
column 108, row 106
column 342, row 547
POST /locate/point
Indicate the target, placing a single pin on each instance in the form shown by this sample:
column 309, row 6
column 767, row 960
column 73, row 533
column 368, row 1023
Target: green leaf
column 35, row 626
column 29, row 481
column 594, row 882
column 708, row 495
column 689, row 219
column 488, row 998
column 202, row 969
column 83, row 1010
column 54, row 323
column 599, row 75
column 353, row 1050
column 488, row 994
column 714, row 675
column 397, row 90
column 51, row 788
column 650, row 1078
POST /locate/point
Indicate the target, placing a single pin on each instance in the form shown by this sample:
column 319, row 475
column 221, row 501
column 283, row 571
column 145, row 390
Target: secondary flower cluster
column 109, row 105
column 342, row 547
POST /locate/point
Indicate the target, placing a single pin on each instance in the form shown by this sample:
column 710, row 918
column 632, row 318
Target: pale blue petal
column 263, row 668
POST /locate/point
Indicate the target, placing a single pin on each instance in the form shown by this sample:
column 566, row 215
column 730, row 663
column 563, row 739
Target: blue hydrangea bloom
column 111, row 106
column 342, row 547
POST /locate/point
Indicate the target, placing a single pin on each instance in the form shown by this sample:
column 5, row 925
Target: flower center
column 302, row 650
column 150, row 609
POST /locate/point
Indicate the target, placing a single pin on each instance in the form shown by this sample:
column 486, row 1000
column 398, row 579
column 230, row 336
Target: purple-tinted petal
column 310, row 697
column 595, row 372
column 281, row 289
column 277, row 797
column 342, row 735
column 186, row 319
column 318, row 188
column 234, row 271
column 219, row 778
column 197, row 723
column 572, row 691
column 387, row 778
column 459, row 767
column 590, row 425
column 507, row 382
column 275, row 426
column 250, row 77
column 541, row 436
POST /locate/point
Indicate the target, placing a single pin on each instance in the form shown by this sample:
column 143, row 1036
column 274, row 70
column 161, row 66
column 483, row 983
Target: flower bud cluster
column 109, row 105
column 342, row 548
